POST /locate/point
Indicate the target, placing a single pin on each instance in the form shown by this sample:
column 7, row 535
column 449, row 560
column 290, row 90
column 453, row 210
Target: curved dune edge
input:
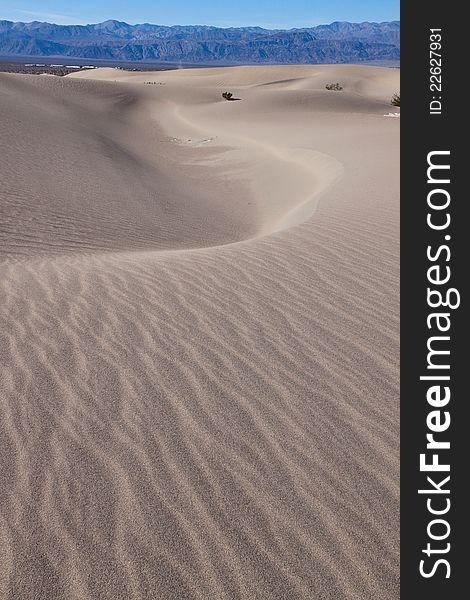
column 283, row 165
column 260, row 175
column 286, row 165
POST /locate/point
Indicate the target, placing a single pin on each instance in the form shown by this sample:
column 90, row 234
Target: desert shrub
column 336, row 87
column 227, row 95
column 395, row 101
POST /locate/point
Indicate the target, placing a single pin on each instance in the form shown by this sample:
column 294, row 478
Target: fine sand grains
column 199, row 335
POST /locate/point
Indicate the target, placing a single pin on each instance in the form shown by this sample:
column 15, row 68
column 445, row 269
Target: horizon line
column 83, row 24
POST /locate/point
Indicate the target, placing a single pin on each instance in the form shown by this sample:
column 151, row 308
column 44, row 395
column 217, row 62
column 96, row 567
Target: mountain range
column 339, row 42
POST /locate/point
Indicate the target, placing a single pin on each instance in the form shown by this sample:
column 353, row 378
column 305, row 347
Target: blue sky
column 235, row 13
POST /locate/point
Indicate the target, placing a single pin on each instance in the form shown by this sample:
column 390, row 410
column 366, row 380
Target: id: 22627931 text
column 435, row 71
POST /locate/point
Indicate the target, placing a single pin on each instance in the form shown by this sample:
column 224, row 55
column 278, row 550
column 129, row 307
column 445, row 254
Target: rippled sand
column 199, row 335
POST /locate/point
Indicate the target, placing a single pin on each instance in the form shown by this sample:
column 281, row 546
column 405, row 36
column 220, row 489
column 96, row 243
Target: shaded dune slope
column 86, row 170
column 199, row 336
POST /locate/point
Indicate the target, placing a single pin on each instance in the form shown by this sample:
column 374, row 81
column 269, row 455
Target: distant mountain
column 339, row 42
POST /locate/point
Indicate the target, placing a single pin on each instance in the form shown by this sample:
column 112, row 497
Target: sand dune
column 199, row 335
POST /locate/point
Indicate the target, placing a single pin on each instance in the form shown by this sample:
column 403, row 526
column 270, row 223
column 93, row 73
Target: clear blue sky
column 232, row 13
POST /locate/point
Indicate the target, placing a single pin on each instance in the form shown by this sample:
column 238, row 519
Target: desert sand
column 199, row 335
